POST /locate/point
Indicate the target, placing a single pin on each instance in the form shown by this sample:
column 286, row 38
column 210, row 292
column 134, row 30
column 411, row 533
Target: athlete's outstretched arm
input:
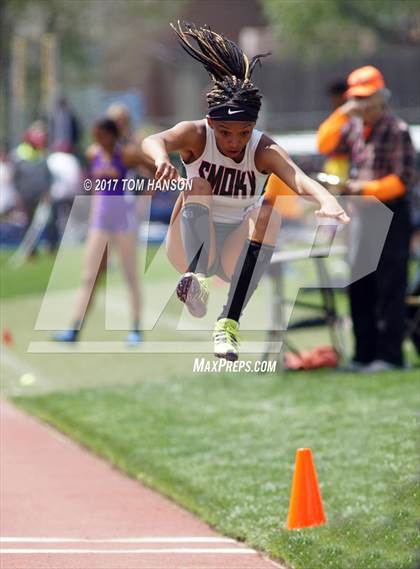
column 274, row 160
column 180, row 138
column 133, row 157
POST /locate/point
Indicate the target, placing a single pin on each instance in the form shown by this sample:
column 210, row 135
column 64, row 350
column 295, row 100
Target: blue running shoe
column 134, row 338
column 66, row 336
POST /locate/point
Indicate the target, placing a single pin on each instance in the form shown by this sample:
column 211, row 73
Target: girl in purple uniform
column 113, row 221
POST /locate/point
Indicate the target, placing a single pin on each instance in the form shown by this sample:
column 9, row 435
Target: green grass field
column 223, row 445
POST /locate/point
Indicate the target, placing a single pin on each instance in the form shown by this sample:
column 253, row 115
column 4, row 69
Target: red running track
column 63, row 508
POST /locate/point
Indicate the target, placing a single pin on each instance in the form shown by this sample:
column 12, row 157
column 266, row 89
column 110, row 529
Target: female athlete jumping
column 224, row 225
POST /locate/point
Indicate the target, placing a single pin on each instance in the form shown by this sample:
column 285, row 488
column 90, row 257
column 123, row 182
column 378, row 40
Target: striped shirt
column 385, row 148
column 383, row 153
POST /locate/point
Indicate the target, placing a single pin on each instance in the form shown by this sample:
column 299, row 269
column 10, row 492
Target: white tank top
column 237, row 186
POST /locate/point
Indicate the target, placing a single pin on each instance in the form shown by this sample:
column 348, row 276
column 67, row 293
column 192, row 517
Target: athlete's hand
column 165, row 170
column 333, row 209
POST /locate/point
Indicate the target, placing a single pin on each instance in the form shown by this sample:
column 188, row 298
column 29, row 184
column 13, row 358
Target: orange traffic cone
column 306, row 508
column 7, row 337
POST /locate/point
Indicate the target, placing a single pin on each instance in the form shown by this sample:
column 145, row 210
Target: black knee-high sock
column 252, row 264
column 195, row 233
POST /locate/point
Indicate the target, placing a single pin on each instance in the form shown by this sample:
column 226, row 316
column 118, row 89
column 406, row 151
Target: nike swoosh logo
column 230, row 112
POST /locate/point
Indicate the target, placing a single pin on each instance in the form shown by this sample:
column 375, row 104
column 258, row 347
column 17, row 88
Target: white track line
column 172, row 551
column 117, row 540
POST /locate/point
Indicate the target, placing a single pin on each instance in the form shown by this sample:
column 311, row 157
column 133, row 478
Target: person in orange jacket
column 382, row 164
column 336, row 163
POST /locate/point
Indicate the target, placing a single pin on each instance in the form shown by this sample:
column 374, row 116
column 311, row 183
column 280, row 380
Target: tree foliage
column 88, row 30
column 337, row 27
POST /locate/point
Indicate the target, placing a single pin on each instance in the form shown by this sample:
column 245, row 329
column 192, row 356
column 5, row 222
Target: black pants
column 413, row 312
column 378, row 311
column 378, row 300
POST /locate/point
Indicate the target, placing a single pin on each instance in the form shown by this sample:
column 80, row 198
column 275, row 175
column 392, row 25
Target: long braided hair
column 227, row 65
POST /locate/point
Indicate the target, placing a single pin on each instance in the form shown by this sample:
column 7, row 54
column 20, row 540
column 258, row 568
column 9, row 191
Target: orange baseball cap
column 364, row 82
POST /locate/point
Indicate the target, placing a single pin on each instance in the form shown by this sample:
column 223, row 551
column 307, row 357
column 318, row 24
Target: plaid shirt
column 388, row 149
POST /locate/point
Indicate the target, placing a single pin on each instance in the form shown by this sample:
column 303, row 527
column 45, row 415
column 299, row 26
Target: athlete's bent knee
column 200, row 187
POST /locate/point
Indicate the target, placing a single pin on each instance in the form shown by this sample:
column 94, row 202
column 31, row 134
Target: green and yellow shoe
column 193, row 290
column 226, row 339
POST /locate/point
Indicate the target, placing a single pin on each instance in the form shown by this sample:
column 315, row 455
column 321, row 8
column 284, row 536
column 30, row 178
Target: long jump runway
column 63, row 508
